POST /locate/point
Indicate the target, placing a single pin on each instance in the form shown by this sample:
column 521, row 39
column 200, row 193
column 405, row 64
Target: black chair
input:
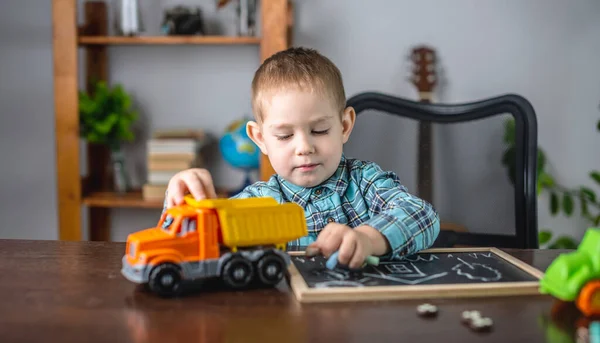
column 526, row 233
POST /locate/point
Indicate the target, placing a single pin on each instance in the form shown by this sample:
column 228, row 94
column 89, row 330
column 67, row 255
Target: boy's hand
column 353, row 245
column 196, row 181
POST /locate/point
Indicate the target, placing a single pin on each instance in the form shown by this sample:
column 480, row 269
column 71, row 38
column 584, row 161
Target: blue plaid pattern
column 359, row 193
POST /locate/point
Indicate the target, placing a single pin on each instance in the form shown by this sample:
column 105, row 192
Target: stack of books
column 169, row 152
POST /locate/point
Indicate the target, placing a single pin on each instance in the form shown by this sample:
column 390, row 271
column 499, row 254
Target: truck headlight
column 132, row 249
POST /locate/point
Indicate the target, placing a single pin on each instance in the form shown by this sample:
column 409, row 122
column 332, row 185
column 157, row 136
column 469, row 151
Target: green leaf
column 588, row 193
column 554, row 203
column 107, row 125
column 584, row 207
column 546, row 180
column 508, row 157
column 595, row 175
column 95, row 138
column 544, row 236
column 564, row 242
column 597, row 221
column 508, row 160
column 541, row 161
column 568, row 204
column 509, row 131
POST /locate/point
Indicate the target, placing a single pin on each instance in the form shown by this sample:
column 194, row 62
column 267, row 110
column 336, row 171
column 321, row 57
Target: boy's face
column 303, row 135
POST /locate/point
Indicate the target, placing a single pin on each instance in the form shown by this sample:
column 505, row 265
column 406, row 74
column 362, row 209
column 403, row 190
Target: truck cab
column 182, row 233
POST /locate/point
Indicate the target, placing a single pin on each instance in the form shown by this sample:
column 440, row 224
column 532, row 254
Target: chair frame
column 526, row 233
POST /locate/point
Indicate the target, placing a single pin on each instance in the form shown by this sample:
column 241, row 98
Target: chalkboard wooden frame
column 306, row 294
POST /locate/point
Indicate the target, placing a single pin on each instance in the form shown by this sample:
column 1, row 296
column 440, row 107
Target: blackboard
column 431, row 273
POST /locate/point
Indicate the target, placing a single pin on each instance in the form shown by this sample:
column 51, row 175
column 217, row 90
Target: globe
column 238, row 150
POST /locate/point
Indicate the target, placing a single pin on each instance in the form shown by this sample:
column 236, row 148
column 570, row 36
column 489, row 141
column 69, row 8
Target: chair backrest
column 526, row 233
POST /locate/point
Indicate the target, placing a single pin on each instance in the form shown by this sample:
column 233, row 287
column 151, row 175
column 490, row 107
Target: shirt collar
column 337, row 183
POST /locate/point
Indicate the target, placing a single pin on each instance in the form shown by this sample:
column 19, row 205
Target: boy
column 301, row 124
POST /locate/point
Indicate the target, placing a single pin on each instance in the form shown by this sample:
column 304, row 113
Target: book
column 154, row 192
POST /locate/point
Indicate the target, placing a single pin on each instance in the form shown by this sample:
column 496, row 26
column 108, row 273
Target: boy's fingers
column 170, row 202
column 208, row 184
column 347, row 249
column 322, row 237
column 332, row 238
column 175, row 192
column 358, row 258
column 194, row 186
column 330, row 245
column 312, row 250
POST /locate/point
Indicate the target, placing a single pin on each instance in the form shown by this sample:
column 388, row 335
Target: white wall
column 544, row 50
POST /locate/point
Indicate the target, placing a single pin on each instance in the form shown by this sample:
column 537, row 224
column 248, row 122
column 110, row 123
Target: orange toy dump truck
column 238, row 240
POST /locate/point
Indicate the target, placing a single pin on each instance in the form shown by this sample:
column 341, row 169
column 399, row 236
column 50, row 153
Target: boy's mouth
column 307, row 167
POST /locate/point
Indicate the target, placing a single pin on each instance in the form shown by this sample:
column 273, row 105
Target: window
column 188, row 225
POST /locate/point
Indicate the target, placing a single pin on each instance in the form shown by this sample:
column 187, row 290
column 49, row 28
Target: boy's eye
column 284, row 137
column 321, row 132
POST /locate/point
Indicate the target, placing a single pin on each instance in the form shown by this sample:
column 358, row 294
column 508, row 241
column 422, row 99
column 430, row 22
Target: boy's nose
column 305, row 147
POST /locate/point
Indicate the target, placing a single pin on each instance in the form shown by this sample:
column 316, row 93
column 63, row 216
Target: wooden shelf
column 133, row 199
column 112, row 200
column 167, row 40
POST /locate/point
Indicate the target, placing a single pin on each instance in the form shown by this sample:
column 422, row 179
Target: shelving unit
column 93, row 190
column 165, row 40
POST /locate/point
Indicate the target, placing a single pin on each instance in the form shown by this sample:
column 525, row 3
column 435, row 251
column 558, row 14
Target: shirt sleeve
column 409, row 223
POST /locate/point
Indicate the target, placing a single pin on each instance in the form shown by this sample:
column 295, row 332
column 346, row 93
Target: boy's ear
column 253, row 131
column 348, row 119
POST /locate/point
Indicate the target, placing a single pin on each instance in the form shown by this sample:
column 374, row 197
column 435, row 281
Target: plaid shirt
column 359, row 193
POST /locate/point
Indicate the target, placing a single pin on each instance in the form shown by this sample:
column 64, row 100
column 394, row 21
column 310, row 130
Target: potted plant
column 561, row 197
column 106, row 117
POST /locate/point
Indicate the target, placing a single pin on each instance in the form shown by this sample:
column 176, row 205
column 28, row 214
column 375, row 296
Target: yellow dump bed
column 257, row 221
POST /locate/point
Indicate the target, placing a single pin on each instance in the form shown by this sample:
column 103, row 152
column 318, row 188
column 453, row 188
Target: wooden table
column 53, row 291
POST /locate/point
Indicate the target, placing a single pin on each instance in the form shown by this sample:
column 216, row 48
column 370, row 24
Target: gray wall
column 27, row 171
column 544, row 50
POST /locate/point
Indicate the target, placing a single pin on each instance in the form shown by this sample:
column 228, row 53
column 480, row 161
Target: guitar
column 425, row 79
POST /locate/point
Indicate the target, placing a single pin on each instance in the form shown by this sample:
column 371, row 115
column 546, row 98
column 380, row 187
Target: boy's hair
column 299, row 67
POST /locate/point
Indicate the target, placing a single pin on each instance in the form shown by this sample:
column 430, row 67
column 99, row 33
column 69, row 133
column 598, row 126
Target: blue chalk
column 332, row 261
column 594, row 330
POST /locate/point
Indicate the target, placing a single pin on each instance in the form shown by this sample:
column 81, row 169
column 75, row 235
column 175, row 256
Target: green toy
column 575, row 276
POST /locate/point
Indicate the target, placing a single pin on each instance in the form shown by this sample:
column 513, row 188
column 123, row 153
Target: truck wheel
column 165, row 280
column 588, row 300
column 270, row 269
column 237, row 272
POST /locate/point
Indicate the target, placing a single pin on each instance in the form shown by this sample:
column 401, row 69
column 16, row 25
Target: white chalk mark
column 497, row 276
column 338, row 283
column 398, row 269
column 301, row 260
column 401, row 268
column 450, row 255
column 337, row 275
column 468, row 265
column 421, row 258
column 477, row 255
column 404, row 281
column 419, row 272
